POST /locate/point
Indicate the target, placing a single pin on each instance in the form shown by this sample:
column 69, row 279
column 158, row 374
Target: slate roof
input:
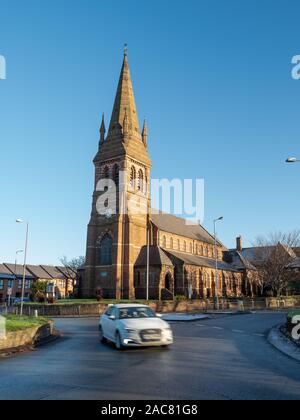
column 39, row 272
column 238, row 261
column 179, row 226
column 5, row 273
column 19, row 270
column 68, row 272
column 157, row 257
column 200, row 261
column 53, row 272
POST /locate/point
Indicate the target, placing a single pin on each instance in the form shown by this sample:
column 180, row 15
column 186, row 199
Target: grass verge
column 17, row 323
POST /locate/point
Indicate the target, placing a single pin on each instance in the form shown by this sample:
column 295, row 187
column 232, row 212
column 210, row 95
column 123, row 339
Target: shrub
column 40, row 297
column 180, row 298
column 99, row 294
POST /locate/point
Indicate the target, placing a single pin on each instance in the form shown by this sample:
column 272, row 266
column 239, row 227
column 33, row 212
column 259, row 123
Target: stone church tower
column 115, row 239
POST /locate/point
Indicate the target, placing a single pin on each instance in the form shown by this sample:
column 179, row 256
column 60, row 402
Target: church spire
column 124, row 104
column 126, row 123
column 102, row 130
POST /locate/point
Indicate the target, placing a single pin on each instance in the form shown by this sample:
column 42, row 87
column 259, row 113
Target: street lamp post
column 24, row 267
column 15, row 269
column 216, row 260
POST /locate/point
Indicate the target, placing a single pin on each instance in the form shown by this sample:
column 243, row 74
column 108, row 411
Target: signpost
column 9, row 293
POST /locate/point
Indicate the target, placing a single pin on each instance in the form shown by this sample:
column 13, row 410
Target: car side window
column 109, row 311
column 114, row 313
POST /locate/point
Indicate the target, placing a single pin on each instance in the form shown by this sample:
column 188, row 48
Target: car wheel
column 119, row 344
column 101, row 336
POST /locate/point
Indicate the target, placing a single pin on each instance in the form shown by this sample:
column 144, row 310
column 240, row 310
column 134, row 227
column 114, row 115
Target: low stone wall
column 27, row 337
column 284, row 302
column 160, row 307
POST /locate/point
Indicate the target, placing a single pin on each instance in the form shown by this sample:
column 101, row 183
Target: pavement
column 223, row 358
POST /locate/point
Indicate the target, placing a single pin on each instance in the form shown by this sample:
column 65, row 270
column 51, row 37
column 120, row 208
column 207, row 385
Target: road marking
column 218, row 328
column 201, row 325
column 259, row 335
column 238, row 331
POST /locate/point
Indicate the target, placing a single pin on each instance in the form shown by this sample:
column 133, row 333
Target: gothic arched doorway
column 168, row 281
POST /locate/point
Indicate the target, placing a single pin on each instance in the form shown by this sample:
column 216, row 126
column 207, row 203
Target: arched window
column 168, row 281
column 201, row 250
column 178, row 245
column 171, row 243
column 164, row 242
column 196, row 249
column 184, row 246
column 191, row 248
column 133, row 177
column 141, row 181
column 106, row 172
column 106, row 246
column 116, row 175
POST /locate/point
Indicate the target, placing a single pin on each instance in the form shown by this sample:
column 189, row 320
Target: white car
column 134, row 326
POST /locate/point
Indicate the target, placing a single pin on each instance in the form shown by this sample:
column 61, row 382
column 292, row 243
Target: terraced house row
column 11, row 278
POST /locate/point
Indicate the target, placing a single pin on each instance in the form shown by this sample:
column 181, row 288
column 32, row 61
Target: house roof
column 68, row 272
column 19, row 270
column 38, row 272
column 181, row 227
column 190, row 259
column 53, row 272
column 157, row 257
column 238, row 261
column 5, row 273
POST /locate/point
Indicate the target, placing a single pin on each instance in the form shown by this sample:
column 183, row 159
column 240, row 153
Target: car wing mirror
column 159, row 315
column 112, row 317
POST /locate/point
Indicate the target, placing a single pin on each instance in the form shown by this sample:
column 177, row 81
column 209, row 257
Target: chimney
column 239, row 244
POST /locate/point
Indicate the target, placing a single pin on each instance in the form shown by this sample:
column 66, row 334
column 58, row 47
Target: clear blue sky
column 212, row 77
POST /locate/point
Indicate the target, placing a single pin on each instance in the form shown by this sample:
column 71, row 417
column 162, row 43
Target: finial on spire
column 125, row 50
column 102, row 130
column 145, row 133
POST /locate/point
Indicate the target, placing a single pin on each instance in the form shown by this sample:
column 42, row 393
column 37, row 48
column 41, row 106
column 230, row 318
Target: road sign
column 9, row 291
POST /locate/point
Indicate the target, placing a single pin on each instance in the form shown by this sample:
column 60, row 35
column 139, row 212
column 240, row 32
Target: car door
column 111, row 324
column 105, row 322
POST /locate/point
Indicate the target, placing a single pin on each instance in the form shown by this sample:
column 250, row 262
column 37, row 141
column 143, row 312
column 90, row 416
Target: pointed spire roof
column 102, row 130
column 125, row 103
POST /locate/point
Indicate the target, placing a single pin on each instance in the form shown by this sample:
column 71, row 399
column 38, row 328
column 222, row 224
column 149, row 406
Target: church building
column 121, row 245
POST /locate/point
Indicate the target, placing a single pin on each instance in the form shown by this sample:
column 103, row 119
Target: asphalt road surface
column 223, row 358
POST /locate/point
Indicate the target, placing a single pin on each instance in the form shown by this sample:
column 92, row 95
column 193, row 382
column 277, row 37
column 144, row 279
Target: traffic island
column 286, row 337
column 24, row 333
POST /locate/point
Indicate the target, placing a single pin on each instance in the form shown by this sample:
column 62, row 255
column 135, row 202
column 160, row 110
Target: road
column 223, row 358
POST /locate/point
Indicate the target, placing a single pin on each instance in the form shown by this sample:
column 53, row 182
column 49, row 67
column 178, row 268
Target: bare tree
column 71, row 268
column 273, row 254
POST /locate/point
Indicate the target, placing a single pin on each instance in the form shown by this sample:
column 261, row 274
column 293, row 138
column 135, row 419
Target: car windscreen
column 136, row 313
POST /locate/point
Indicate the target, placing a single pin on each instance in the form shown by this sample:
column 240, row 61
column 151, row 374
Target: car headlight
column 168, row 332
column 130, row 330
